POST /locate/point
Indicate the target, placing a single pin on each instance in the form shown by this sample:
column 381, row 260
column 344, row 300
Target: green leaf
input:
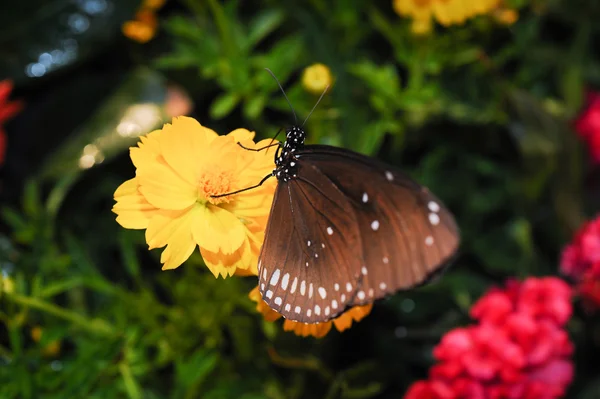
column 223, row 105
column 261, row 26
column 193, row 371
column 254, row 106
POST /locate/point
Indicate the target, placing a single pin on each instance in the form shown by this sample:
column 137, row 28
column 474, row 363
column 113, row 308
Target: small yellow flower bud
column 316, row 77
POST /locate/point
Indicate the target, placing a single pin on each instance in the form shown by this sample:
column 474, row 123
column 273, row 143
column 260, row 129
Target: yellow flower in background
column 506, row 16
column 316, row 78
column 446, row 12
column 52, row 349
column 178, row 169
column 153, row 4
column 6, row 284
column 144, row 25
column 341, row 323
column 142, row 28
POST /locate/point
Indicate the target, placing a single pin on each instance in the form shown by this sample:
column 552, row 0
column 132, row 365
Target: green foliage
column 479, row 113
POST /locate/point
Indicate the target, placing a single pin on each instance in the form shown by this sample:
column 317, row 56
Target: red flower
column 7, row 110
column 493, row 307
column 517, row 349
column 547, row 297
column 429, row 390
column 587, row 125
column 584, row 251
column 581, row 260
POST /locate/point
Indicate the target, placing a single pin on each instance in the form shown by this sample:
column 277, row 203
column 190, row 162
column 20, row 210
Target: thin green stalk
column 131, row 385
column 93, row 325
column 224, row 32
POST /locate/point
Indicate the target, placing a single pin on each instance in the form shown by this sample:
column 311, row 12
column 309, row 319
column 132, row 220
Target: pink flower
column 493, row 307
column 8, row 109
column 517, row 349
column 547, row 297
column 584, row 251
column 581, row 260
column 587, row 125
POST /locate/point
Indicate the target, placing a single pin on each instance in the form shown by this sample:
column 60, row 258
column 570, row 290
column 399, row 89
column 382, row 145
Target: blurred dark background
column 479, row 112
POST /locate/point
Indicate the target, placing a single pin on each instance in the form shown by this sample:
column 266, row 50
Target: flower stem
column 93, row 325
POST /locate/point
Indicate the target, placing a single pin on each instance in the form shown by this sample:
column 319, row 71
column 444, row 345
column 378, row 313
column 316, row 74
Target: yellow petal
column 176, row 233
column 183, row 146
column 218, row 230
column 165, row 224
column 304, row 330
column 225, row 265
column 164, row 188
column 356, row 313
column 262, row 307
column 242, row 135
column 132, row 209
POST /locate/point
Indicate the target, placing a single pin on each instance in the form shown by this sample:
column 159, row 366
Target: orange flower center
column 216, row 181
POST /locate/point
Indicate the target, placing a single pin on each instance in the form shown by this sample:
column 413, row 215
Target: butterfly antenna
column 318, row 101
column 286, row 97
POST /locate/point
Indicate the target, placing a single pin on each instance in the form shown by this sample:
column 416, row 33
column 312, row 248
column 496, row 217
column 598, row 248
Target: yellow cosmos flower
column 142, row 28
column 341, row 323
column 316, row 78
column 446, row 12
column 6, row 284
column 153, row 4
column 144, row 25
column 506, row 16
column 178, row 169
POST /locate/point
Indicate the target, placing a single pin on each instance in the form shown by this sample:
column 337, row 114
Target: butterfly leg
column 259, row 149
column 264, row 179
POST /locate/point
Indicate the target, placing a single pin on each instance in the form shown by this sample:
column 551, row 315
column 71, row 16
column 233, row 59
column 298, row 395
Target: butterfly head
column 286, row 162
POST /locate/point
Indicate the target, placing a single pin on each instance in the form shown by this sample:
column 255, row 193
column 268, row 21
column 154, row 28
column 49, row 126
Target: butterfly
column 345, row 230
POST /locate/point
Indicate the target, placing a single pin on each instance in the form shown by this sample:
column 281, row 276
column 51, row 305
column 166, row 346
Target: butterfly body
column 346, row 230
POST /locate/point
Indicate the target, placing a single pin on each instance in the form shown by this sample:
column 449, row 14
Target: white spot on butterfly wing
column 348, row 287
column 284, row 281
column 364, row 270
column 308, row 243
column 264, row 274
column 297, row 310
column 434, row 219
column 386, row 260
column 336, row 287
column 389, row 175
column 334, row 304
column 322, row 292
column 327, row 311
column 429, row 241
column 269, row 294
column 303, row 287
column 365, row 198
column 317, row 310
column 433, row 206
column 287, row 307
column 382, row 286
column 375, row 225
column 310, row 290
column 361, row 295
column 308, row 312
column 278, row 301
column 329, row 230
column 294, row 284
column 275, row 277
